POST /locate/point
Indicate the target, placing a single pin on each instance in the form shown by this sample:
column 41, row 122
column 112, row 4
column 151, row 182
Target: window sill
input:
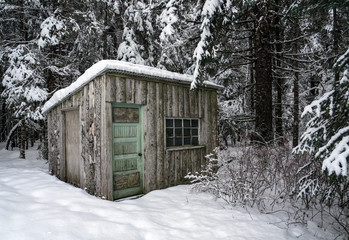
column 184, row 148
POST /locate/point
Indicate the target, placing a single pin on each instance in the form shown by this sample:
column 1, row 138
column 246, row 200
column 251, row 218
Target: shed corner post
column 106, row 153
column 61, row 161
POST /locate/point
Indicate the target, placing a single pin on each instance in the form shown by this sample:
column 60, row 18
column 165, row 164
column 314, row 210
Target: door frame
column 141, row 129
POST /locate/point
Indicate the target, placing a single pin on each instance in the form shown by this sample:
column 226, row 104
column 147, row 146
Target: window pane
column 178, row 132
column 125, row 115
column 186, row 122
column 186, row 131
column 182, row 132
column 169, row 132
column 169, row 122
column 194, row 123
column 178, row 122
column 178, row 142
column 169, row 142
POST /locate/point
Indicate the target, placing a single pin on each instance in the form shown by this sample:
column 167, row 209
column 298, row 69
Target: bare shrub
column 250, row 176
column 273, row 179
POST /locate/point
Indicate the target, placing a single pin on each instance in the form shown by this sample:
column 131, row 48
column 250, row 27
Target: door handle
column 140, row 154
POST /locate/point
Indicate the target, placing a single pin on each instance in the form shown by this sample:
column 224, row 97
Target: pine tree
column 327, row 133
column 138, row 40
column 178, row 32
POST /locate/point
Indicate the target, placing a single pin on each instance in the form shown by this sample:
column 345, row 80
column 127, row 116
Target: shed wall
column 167, row 167
column 162, row 167
column 88, row 101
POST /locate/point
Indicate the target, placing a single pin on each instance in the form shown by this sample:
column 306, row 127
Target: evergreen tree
column 327, row 133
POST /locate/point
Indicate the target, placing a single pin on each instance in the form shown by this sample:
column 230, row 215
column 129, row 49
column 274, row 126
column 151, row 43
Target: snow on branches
column 209, row 10
column 327, row 133
column 24, row 86
column 52, row 30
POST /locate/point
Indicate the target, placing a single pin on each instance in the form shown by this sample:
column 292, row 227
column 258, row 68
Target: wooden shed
column 123, row 129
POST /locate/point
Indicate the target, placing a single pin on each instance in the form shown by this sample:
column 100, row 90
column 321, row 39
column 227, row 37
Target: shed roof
column 121, row 67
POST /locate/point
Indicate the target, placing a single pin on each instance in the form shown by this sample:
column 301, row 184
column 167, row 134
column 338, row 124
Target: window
column 125, row 115
column 182, row 132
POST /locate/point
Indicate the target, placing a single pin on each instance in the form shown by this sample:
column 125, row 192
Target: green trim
column 126, row 192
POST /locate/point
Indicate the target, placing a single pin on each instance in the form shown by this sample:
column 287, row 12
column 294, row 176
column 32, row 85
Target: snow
column 52, row 29
column 316, row 105
column 208, row 11
column 168, row 20
column 337, row 161
column 36, row 205
column 119, row 66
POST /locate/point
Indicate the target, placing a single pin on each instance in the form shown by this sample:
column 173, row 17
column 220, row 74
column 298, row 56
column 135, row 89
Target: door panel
column 128, row 164
column 72, row 146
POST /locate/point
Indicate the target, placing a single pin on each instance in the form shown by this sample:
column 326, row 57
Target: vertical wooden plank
column 54, row 140
column 204, row 119
column 160, row 133
column 180, row 166
column 50, row 142
column 192, row 103
column 97, row 134
column 172, row 159
column 196, row 104
column 180, row 101
column 60, row 141
column 192, row 162
column 130, row 90
column 175, row 106
column 214, row 118
column 91, row 94
column 185, row 163
column 62, row 150
column 186, row 102
column 90, row 164
column 120, row 90
column 167, row 169
column 109, row 88
column 200, row 103
column 202, row 163
column 107, row 147
column 140, row 88
column 169, row 94
column 202, row 107
column 177, row 167
column 85, row 135
column 150, row 140
column 106, row 84
column 209, row 118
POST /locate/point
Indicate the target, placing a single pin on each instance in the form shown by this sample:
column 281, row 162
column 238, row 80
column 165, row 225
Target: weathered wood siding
column 88, row 101
column 167, row 167
column 162, row 167
column 72, row 146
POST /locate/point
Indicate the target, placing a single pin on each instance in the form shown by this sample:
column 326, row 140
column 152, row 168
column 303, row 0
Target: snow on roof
column 124, row 68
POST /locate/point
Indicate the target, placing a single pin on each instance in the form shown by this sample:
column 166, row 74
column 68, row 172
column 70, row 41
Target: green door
column 128, row 164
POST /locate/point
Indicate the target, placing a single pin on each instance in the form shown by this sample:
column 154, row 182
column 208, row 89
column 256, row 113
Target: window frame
column 183, row 136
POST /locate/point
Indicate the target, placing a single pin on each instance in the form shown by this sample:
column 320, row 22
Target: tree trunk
column 336, row 36
column 263, row 71
column 279, row 80
column 23, row 140
column 295, row 110
column 295, row 126
column 105, row 32
column 252, row 81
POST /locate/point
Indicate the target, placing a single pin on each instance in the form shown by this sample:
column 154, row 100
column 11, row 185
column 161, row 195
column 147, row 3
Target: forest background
column 273, row 57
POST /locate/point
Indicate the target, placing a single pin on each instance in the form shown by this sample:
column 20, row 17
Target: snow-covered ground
column 36, row 205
